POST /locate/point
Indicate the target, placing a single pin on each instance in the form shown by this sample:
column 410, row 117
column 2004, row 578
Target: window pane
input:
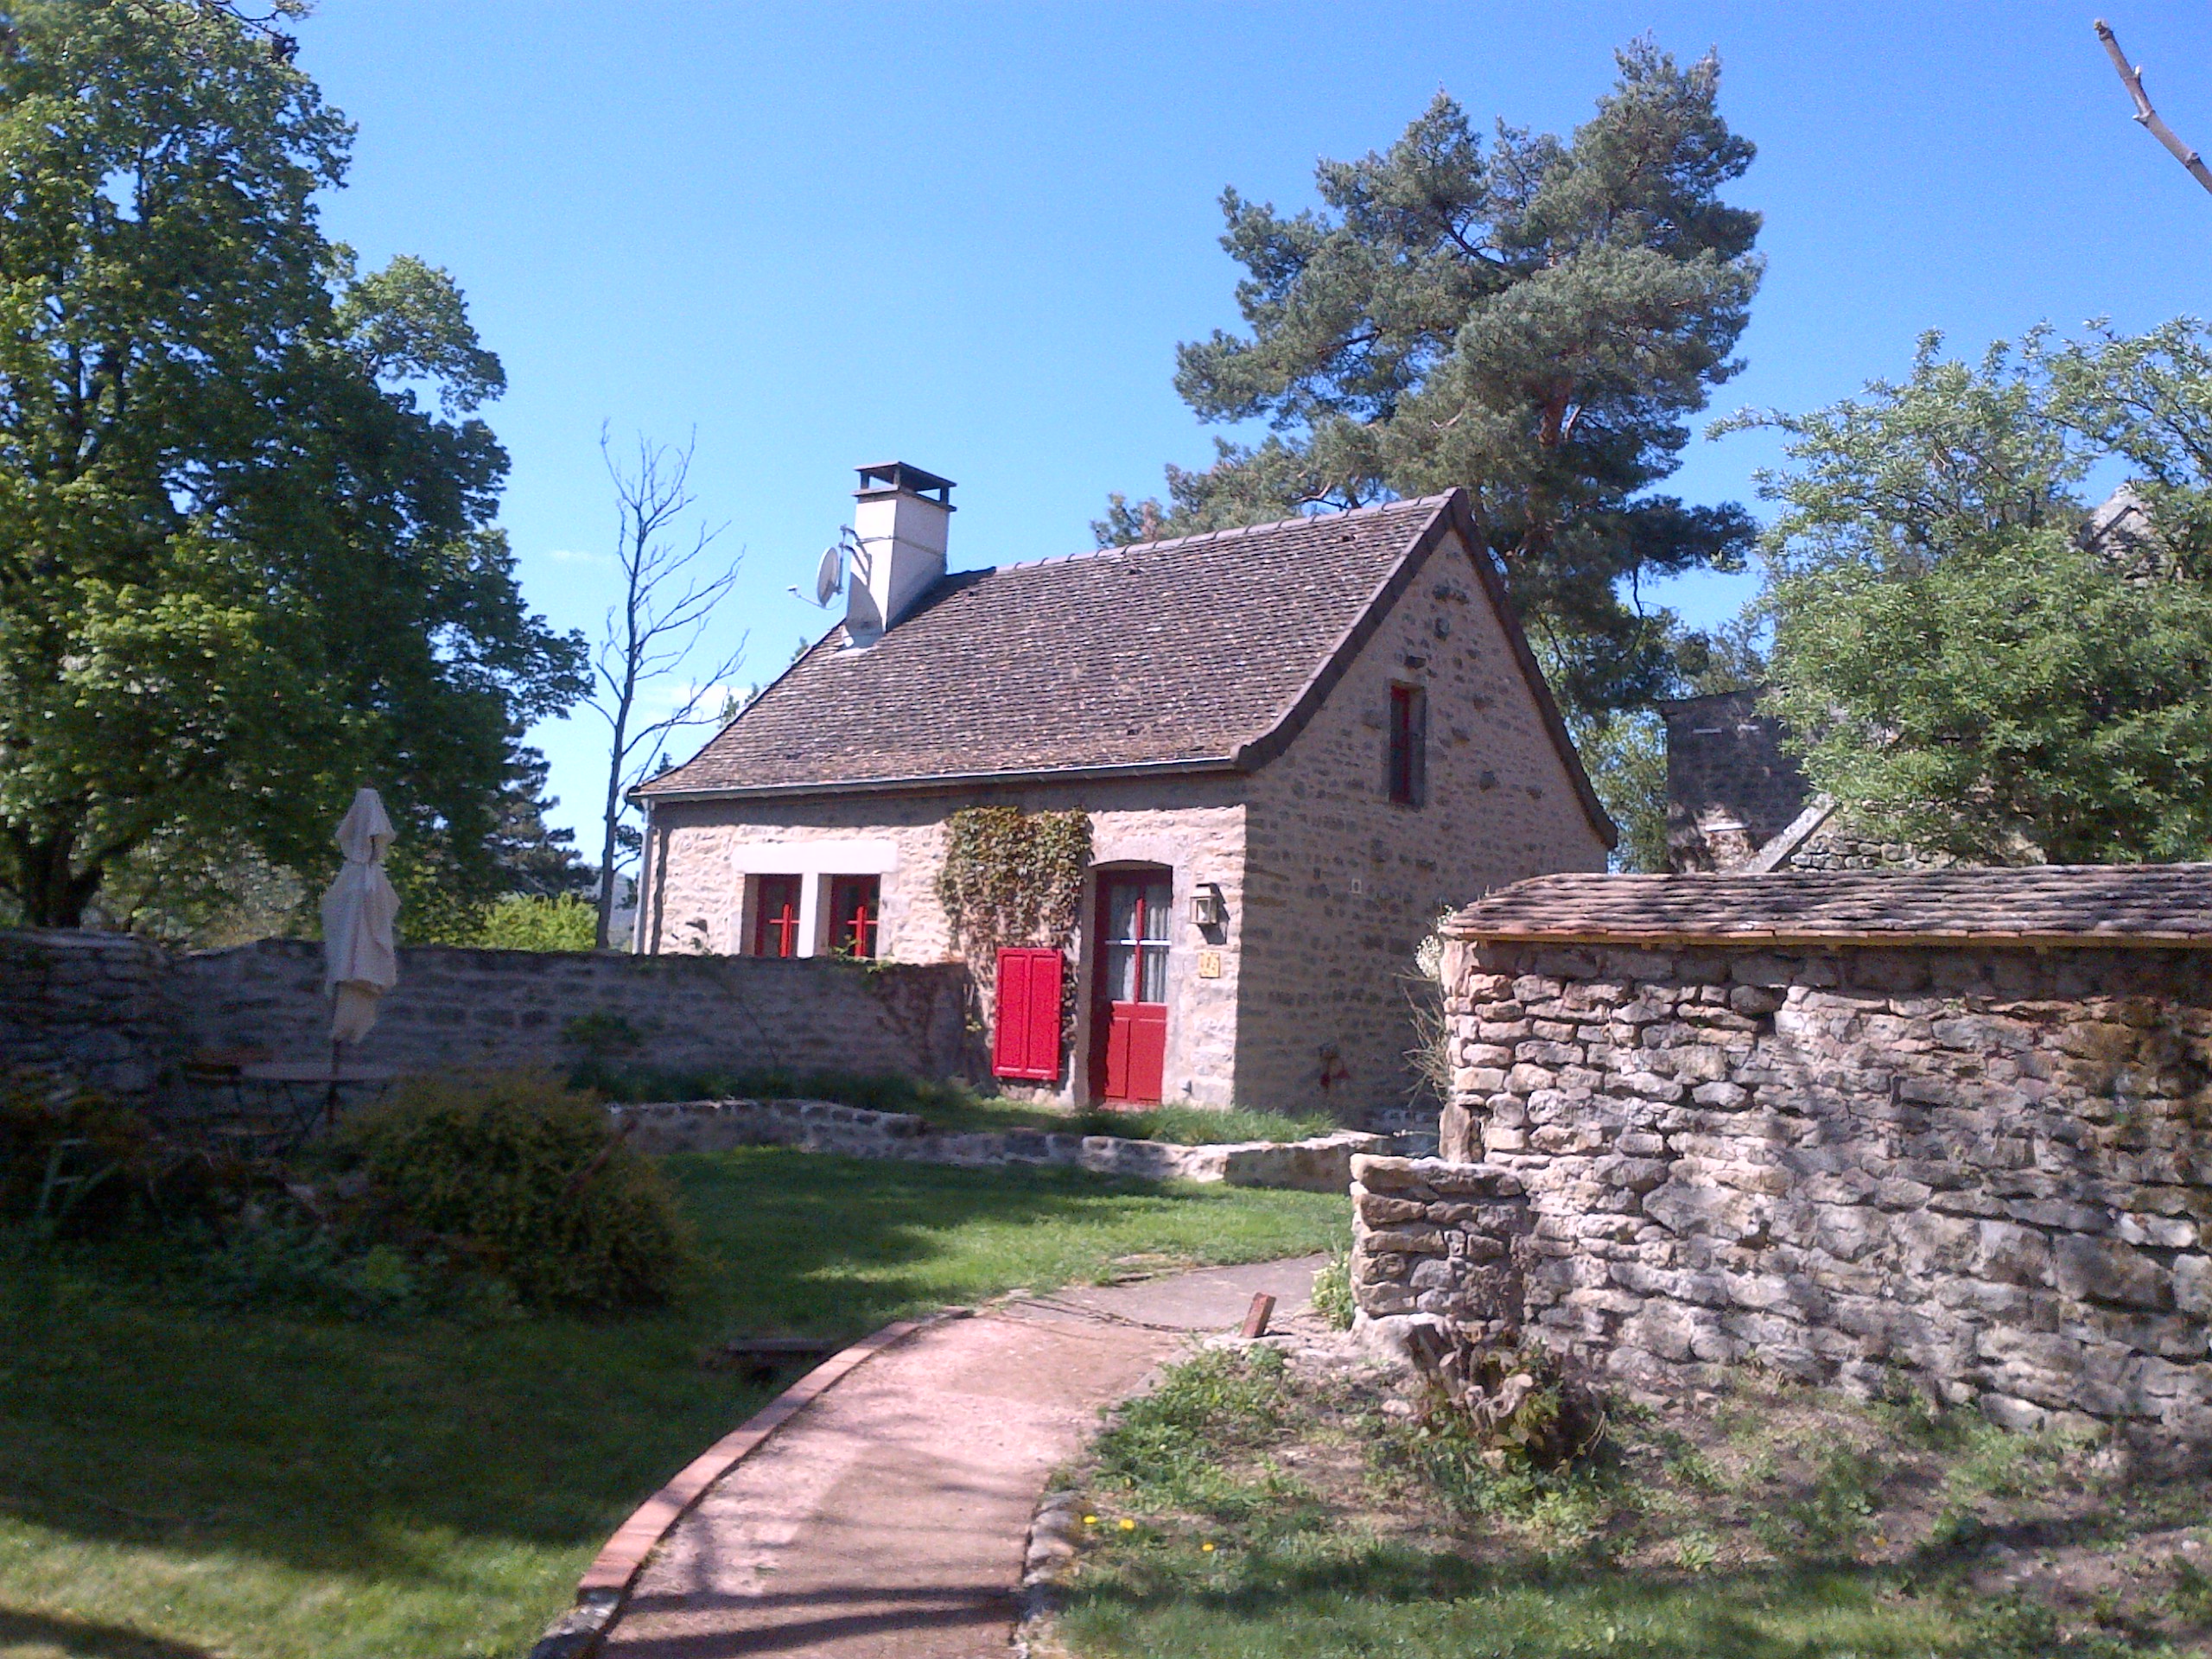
column 1156, row 904
column 1155, row 973
column 1121, row 910
column 1120, row 969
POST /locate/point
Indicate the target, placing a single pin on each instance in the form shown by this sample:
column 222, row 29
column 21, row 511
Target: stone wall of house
column 699, row 896
column 1987, row 1171
column 120, row 1012
column 1341, row 885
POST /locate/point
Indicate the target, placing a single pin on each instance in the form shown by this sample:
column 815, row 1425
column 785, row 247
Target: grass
column 950, row 1106
column 1249, row 1510
column 178, row 1482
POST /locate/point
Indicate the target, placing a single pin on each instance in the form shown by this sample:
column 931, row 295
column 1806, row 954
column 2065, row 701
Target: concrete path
column 886, row 1520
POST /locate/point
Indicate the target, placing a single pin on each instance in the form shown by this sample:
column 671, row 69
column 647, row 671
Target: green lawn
column 177, row 1481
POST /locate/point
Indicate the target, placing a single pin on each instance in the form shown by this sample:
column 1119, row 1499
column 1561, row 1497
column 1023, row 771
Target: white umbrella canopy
column 360, row 960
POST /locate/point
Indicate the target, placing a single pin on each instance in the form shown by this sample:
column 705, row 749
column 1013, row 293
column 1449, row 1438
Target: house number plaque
column 1209, row 964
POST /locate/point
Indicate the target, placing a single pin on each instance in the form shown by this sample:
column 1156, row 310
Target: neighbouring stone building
column 1737, row 800
column 1296, row 744
column 1950, row 1130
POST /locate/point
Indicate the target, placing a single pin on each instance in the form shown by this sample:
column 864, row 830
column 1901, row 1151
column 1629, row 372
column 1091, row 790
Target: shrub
column 529, row 922
column 525, row 1177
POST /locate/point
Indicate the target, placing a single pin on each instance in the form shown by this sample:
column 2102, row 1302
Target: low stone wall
column 1321, row 1165
column 1442, row 1239
column 97, row 1007
column 1987, row 1171
column 120, row 1012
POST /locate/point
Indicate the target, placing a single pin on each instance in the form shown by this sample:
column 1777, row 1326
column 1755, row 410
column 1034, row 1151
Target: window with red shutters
column 1026, row 1044
column 855, row 902
column 775, row 916
column 1409, row 762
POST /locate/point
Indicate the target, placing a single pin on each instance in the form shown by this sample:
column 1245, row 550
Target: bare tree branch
column 667, row 604
column 2131, row 76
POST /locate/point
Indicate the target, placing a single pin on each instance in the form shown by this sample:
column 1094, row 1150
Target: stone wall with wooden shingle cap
column 2151, row 907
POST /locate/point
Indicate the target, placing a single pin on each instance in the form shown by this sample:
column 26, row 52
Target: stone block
column 1379, row 1212
column 1421, row 1241
column 2099, row 1269
column 2192, row 1284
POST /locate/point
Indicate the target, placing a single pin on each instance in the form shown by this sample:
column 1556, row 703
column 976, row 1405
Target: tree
column 1534, row 323
column 1957, row 657
column 2131, row 76
column 667, row 603
column 534, row 859
column 243, row 568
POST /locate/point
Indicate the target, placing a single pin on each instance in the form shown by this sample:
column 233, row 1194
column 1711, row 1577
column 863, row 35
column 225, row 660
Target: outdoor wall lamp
column 1208, row 907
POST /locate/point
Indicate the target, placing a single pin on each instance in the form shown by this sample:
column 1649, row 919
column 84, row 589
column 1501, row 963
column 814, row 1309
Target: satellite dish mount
column 830, row 575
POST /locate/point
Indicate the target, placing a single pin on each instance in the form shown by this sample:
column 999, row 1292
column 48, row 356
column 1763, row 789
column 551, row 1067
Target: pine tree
column 1534, row 323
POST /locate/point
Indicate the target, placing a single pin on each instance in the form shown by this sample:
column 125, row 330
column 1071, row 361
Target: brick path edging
column 579, row 1632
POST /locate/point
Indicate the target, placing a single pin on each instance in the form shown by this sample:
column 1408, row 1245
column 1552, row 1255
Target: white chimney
column 900, row 525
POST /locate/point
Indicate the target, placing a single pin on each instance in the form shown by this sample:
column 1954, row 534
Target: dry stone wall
column 99, row 1008
column 1983, row 1172
column 119, row 1013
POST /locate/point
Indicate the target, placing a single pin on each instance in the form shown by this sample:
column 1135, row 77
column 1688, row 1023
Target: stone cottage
column 1296, row 744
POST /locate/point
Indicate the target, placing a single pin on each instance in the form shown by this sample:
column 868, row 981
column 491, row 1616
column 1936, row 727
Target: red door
column 1129, row 1049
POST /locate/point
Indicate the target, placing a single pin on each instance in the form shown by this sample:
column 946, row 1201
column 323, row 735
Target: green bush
column 528, row 922
column 525, row 1178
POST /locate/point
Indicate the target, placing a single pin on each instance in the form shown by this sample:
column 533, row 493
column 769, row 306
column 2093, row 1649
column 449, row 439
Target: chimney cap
column 901, row 477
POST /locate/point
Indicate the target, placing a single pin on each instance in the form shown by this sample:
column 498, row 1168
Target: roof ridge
column 1296, row 520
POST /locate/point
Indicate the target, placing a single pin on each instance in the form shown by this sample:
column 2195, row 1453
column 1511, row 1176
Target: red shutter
column 1026, row 1044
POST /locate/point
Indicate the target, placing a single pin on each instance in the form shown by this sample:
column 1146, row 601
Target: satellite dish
column 830, row 575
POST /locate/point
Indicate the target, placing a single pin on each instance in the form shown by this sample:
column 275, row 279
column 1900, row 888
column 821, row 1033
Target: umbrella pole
column 330, row 1096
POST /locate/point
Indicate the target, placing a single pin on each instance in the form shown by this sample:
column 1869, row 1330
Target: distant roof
column 1202, row 653
column 2142, row 905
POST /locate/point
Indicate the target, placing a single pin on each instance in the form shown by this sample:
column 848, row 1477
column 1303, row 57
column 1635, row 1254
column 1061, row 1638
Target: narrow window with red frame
column 856, row 903
column 1408, row 767
column 775, row 916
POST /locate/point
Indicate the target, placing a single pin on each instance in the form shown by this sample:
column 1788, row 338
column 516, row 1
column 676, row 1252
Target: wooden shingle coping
column 2149, row 907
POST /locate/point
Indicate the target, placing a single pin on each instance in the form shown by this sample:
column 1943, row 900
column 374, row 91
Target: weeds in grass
column 1332, row 1297
column 1833, row 1515
column 2192, row 1592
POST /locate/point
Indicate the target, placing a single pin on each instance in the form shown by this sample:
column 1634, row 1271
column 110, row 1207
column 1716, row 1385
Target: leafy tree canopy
column 1534, row 322
column 247, row 559
column 1961, row 654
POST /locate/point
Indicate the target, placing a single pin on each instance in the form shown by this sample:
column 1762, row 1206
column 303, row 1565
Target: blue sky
column 970, row 236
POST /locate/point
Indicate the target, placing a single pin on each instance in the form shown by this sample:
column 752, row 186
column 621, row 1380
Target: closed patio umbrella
column 360, row 960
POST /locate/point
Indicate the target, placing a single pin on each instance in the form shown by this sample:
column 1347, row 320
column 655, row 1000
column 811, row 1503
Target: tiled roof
column 2057, row 904
column 1205, row 652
